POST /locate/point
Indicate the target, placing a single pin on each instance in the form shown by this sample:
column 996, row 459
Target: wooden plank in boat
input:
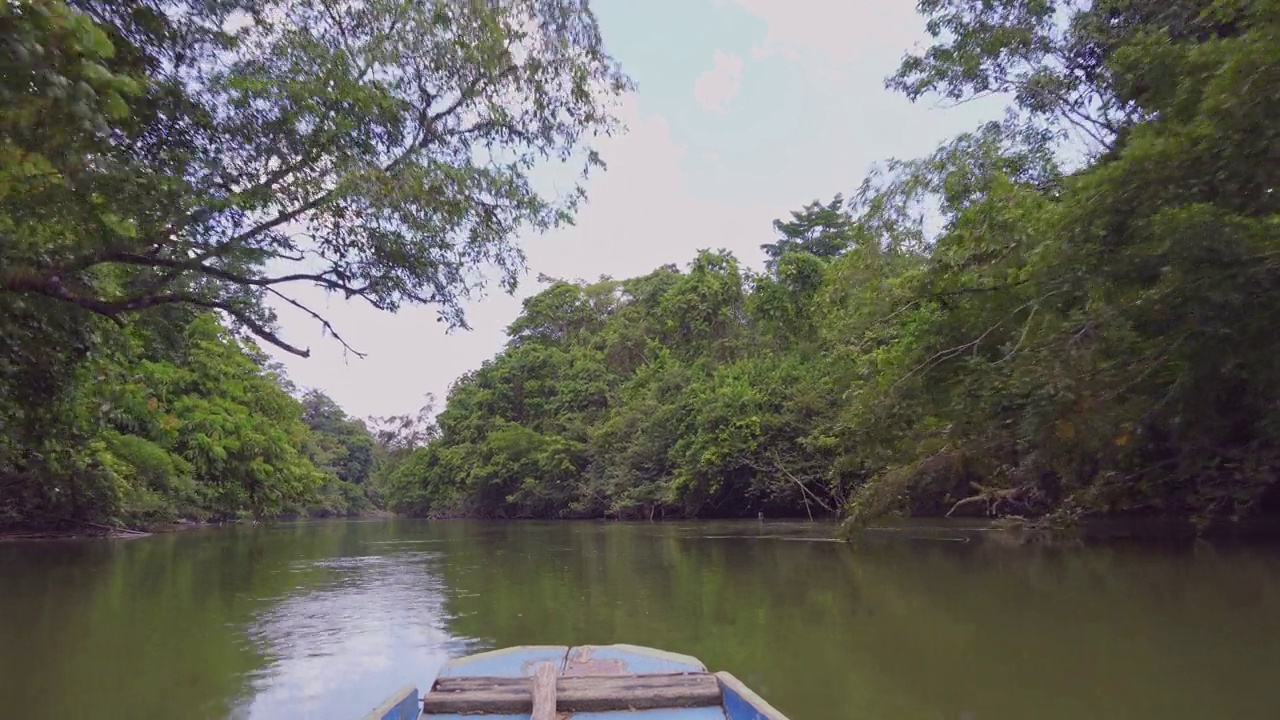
column 544, row 693
column 573, row 694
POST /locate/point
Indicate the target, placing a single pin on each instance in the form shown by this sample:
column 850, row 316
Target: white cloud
column 660, row 199
column 834, row 35
column 640, row 214
column 715, row 88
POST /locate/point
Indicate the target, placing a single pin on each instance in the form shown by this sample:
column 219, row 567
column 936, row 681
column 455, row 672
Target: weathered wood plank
column 638, row 692
column 574, row 694
column 544, row 693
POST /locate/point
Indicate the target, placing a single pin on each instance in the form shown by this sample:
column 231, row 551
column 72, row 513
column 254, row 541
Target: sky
column 745, row 110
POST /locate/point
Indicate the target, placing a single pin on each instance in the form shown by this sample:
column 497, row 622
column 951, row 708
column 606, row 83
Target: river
column 324, row 619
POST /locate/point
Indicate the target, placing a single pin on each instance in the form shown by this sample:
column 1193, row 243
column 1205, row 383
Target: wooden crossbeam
column 570, row 694
column 544, row 692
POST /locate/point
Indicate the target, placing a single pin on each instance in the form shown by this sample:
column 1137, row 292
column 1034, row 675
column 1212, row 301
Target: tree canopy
column 221, row 153
column 1062, row 314
column 172, row 173
column 1008, row 326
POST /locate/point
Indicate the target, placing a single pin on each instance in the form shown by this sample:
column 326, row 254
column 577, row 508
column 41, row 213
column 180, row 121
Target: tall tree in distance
column 822, row 230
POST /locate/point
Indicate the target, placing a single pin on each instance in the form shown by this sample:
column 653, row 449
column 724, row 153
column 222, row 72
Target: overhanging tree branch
column 323, row 322
column 114, row 309
column 355, row 122
column 327, row 279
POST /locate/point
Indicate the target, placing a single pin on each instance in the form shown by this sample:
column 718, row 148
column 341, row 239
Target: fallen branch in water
column 86, row 523
column 997, row 502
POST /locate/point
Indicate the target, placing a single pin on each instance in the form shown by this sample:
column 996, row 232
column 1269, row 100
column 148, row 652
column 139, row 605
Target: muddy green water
column 322, row 620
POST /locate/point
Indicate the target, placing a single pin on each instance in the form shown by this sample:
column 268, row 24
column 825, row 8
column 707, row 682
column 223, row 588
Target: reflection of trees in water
column 341, row 648
column 900, row 629
column 141, row 627
column 145, row 626
column 1098, row 632
column 896, row 630
column 772, row 611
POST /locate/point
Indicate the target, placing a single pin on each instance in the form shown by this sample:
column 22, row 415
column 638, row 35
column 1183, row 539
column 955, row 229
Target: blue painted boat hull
column 401, row 706
column 737, row 701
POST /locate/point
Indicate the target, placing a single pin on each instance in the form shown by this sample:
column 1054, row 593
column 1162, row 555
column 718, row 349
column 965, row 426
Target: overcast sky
column 745, row 110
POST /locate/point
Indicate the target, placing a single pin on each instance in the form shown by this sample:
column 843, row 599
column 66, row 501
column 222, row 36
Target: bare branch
column 324, row 279
column 778, row 459
column 470, row 94
column 1026, row 328
column 323, row 322
column 978, row 289
column 944, row 355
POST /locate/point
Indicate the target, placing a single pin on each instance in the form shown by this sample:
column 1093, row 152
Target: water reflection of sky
column 340, row 648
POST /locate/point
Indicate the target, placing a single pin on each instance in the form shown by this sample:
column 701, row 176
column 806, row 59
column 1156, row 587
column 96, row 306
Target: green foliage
column 219, row 154
column 345, row 450
column 999, row 328
column 168, row 172
column 1096, row 343
column 201, row 430
column 821, row 230
column 626, row 398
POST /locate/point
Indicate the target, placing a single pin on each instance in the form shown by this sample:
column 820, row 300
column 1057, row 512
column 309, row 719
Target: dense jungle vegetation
column 1068, row 312
column 171, row 171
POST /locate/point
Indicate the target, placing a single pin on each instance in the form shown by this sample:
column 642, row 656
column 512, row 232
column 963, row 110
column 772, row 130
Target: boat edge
column 403, row 705
column 653, row 652
column 731, row 684
column 499, row 652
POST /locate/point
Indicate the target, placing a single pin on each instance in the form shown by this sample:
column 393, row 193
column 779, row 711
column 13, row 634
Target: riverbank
column 1098, row 530
column 29, row 533
column 1011, row 531
column 79, row 529
column 95, row 530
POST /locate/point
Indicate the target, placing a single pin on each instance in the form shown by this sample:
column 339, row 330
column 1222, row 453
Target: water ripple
column 339, row 648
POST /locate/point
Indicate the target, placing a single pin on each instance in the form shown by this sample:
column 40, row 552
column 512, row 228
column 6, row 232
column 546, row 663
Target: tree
column 400, row 434
column 220, row 155
column 169, row 172
column 817, row 229
column 1080, row 65
column 343, row 445
column 985, row 330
